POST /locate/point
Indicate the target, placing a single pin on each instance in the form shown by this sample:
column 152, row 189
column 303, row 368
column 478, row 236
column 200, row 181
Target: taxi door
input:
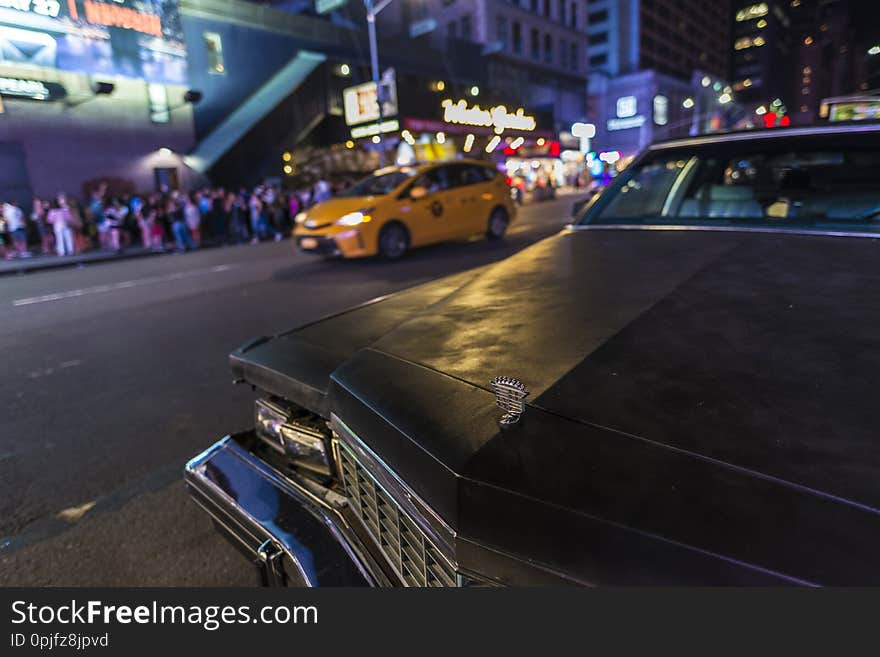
column 429, row 219
column 475, row 197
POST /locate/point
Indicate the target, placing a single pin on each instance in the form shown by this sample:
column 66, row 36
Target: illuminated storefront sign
column 31, row 89
column 129, row 38
column 627, row 106
column 361, row 102
column 498, row 118
column 661, row 110
column 50, row 8
column 625, row 124
column 370, row 129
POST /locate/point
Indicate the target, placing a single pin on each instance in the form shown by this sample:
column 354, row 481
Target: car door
column 476, row 196
column 428, row 217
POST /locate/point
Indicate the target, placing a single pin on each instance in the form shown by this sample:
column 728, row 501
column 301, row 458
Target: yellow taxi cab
column 398, row 208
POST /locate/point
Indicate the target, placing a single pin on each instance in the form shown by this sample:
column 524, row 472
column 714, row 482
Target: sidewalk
column 37, row 262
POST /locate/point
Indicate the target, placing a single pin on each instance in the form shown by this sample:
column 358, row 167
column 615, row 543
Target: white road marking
column 121, row 285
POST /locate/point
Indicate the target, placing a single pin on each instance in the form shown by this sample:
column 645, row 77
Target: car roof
column 832, row 131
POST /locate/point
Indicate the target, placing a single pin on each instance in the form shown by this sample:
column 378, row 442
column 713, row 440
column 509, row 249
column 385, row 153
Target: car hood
column 700, row 400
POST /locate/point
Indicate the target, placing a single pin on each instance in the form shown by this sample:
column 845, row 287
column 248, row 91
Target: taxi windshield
column 786, row 188
column 379, row 184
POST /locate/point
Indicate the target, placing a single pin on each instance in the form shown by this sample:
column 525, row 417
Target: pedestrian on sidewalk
column 38, row 216
column 16, row 225
column 3, row 239
column 178, row 227
column 193, row 219
column 61, row 220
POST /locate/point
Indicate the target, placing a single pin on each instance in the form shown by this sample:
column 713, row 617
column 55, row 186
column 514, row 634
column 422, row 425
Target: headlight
column 355, row 218
column 300, row 217
column 301, row 441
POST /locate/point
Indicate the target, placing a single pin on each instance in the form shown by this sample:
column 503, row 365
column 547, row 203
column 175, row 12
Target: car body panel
column 442, row 214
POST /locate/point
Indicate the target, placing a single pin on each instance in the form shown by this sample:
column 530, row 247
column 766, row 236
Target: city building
column 534, row 50
column 91, row 91
column 762, row 46
column 657, row 70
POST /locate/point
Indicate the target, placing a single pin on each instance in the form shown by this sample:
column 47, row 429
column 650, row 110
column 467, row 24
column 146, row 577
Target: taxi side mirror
column 418, row 192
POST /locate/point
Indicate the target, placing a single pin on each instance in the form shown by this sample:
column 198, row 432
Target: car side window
column 473, row 175
column 434, row 180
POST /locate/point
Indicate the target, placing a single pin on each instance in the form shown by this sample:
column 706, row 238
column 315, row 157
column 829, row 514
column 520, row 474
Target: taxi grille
column 411, row 554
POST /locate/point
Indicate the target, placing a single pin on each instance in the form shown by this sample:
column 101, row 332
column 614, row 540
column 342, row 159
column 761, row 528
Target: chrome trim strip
column 326, row 503
column 764, row 134
column 440, row 533
column 721, row 229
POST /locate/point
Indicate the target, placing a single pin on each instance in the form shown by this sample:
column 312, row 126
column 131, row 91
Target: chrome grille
column 411, row 554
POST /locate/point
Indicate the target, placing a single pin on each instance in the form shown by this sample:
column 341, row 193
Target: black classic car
column 680, row 388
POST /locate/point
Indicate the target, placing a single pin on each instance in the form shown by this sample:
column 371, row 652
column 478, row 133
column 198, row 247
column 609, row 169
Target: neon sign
column 50, row 8
column 498, row 118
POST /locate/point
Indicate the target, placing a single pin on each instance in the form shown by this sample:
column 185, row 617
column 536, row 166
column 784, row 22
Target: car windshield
column 749, row 186
column 379, row 184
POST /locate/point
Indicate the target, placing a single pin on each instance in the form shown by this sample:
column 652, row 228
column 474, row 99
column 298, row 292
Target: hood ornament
column 510, row 395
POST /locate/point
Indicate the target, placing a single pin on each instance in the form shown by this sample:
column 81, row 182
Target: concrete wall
column 66, row 145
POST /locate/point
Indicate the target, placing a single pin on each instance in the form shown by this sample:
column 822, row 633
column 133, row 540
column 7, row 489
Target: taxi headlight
column 355, row 218
column 301, row 441
column 300, row 217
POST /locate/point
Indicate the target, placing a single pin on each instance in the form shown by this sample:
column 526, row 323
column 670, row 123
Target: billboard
column 130, row 38
column 361, row 102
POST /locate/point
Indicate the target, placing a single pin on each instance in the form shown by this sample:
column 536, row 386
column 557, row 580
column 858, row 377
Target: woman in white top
column 60, row 218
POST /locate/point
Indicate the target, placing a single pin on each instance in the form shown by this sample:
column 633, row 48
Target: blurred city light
column 475, row 91
column 493, row 144
column 468, row 143
column 874, row 50
column 441, row 137
column 687, row 103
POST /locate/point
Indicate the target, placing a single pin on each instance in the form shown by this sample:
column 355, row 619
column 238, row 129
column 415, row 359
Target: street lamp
column 874, row 50
column 373, row 10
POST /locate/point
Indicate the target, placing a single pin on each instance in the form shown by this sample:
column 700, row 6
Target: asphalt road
column 114, row 375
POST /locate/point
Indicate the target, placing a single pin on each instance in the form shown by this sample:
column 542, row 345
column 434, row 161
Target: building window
column 600, row 37
column 601, row 16
column 535, row 6
column 573, row 15
column 517, row 38
column 575, row 65
column 536, row 44
column 501, row 30
column 548, row 49
column 466, row 26
column 563, row 53
column 547, row 8
column 214, row 53
column 598, row 60
column 452, row 29
column 562, row 11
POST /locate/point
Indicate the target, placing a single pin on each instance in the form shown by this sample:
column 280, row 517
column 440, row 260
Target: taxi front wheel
column 498, row 222
column 393, row 241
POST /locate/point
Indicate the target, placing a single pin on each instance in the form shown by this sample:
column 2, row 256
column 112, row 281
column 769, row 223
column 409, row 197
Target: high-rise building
column 647, row 61
column 673, row 38
column 762, row 50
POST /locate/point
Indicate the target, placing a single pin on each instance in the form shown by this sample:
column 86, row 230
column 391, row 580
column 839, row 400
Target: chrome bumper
column 295, row 532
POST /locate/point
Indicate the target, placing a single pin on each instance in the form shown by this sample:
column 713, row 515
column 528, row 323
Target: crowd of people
column 158, row 221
